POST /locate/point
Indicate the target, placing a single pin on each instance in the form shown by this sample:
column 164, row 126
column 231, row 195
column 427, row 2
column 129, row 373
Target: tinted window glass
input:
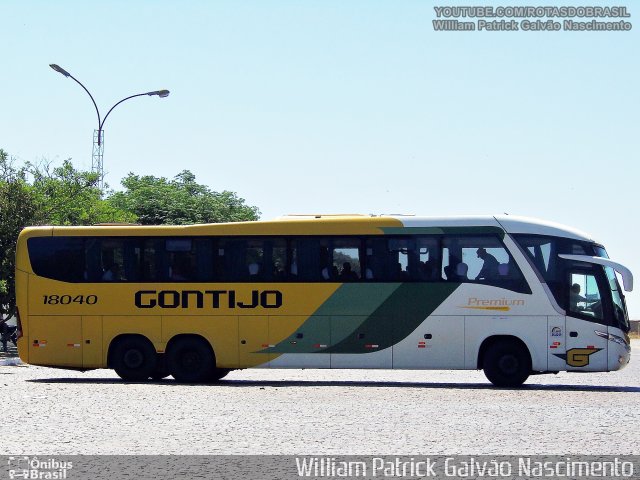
column 482, row 259
column 60, row 258
column 346, row 259
column 402, row 259
column 426, row 258
column 543, row 253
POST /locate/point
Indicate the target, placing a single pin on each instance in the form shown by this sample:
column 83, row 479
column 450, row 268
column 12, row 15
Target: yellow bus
column 508, row 295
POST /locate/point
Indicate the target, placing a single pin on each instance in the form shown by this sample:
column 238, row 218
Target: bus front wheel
column 133, row 358
column 191, row 360
column 218, row 374
column 507, row 364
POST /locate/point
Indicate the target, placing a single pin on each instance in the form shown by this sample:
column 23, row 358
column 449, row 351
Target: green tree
column 66, row 196
column 181, row 201
column 19, row 206
column 56, row 196
column 71, row 197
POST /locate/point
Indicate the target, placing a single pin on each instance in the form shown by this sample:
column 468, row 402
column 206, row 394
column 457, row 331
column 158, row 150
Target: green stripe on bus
column 399, row 315
column 358, row 317
column 354, row 302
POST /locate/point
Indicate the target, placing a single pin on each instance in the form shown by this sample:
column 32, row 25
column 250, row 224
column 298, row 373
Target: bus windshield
column 569, row 279
column 619, row 305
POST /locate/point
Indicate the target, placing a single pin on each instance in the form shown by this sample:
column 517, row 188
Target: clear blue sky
column 333, row 106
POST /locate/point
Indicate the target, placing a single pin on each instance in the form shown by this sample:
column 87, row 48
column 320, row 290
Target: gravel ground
column 319, row 412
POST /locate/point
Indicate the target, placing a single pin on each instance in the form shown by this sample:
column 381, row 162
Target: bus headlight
column 614, row 339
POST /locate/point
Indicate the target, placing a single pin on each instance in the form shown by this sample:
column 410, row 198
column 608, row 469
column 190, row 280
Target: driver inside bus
column 575, row 298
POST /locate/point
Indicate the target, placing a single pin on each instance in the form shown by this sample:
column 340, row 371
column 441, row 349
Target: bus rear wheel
column 507, row 364
column 191, row 360
column 133, row 358
column 219, row 374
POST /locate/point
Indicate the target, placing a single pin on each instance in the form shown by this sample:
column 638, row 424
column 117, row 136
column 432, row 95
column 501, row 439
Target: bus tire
column 159, row 375
column 161, row 371
column 219, row 374
column 191, row 360
column 507, row 364
column 133, row 358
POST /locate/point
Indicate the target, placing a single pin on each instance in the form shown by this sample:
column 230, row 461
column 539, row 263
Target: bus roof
column 509, row 223
column 318, row 224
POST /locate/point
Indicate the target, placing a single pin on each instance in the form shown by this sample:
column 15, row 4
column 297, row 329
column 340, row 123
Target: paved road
column 317, row 412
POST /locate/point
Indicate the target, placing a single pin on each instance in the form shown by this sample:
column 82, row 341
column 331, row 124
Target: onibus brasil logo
column 38, row 468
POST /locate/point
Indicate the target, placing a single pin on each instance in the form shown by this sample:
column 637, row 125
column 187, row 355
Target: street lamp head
column 160, row 93
column 59, row 69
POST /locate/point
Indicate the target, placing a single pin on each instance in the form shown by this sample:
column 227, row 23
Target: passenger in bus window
column 461, row 272
column 451, row 270
column 426, row 270
column 489, row 268
column 326, row 273
column 254, row 269
column 347, row 275
column 180, row 270
column 368, row 274
column 112, row 274
column 330, row 273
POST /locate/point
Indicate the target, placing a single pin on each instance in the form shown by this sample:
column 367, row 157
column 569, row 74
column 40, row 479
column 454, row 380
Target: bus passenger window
column 112, row 273
column 181, row 259
column 427, row 267
column 255, row 260
column 401, row 253
column 278, row 260
column 112, row 259
column 483, row 259
column 59, row 258
column 346, row 260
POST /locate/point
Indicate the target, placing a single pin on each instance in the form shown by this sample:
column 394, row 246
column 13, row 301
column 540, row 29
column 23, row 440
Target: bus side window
column 255, row 260
column 112, row 259
column 427, row 258
column 346, row 259
column 152, row 261
column 308, row 264
column 93, row 272
column 203, row 250
column 401, row 253
column 453, row 268
column 277, row 267
column 232, row 260
column 59, row 258
column 376, row 258
column 483, row 259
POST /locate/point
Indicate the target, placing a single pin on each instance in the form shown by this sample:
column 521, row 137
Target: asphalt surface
column 319, row 412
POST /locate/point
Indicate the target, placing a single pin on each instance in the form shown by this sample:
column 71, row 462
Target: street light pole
column 98, row 135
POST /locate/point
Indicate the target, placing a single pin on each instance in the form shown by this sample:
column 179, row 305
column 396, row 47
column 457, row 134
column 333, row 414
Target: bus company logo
column 497, row 304
column 556, row 332
column 578, row 357
column 208, row 299
column 35, row 468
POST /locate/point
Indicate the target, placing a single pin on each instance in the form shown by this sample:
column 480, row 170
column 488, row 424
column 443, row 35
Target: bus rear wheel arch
column 506, row 361
column 133, row 357
column 190, row 359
